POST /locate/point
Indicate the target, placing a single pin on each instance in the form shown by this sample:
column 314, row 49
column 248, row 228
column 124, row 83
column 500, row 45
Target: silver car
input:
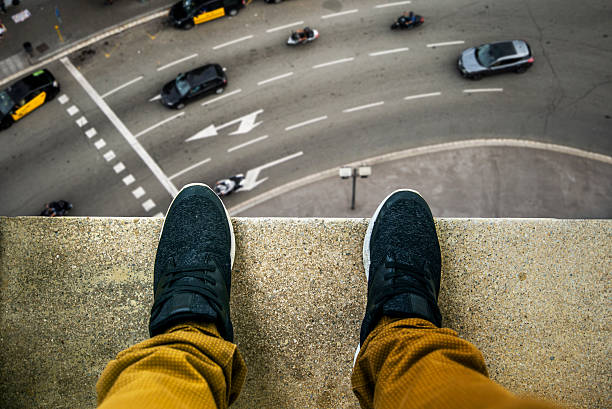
column 494, row 58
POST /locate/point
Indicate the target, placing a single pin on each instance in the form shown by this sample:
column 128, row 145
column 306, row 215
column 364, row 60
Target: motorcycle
column 302, row 36
column 224, row 187
column 55, row 209
column 404, row 22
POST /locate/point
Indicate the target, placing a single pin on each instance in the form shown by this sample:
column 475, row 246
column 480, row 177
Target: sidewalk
column 76, row 20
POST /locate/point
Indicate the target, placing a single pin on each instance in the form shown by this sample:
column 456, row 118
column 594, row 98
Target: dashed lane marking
column 342, row 13
column 327, row 64
column 158, row 124
column 81, row 122
column 476, row 90
column 73, row 110
column 261, row 138
column 110, row 155
column 119, row 167
column 91, row 132
column 158, row 215
column 129, row 179
column 229, row 94
column 190, row 168
column 310, row 121
column 63, row 99
column 148, row 205
column 433, row 45
column 99, row 144
column 278, row 77
column 189, row 57
column 399, row 3
column 120, row 87
column 395, row 50
column 138, row 192
column 297, row 23
column 233, row 42
column 155, row 98
column 431, row 94
column 359, row 108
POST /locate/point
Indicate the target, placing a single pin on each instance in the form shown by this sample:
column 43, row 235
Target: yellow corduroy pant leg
column 411, row 363
column 190, row 366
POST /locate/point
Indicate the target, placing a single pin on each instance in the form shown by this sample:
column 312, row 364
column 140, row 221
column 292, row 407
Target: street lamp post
column 361, row 171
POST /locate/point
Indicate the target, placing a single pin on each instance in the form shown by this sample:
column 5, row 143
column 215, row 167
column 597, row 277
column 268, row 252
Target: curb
column 89, row 40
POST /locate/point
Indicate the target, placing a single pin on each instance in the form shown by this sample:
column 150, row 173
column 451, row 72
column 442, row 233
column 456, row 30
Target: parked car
column 494, row 58
column 25, row 95
column 187, row 13
column 196, row 83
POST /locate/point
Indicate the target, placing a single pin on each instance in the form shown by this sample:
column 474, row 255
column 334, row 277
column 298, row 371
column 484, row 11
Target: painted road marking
column 247, row 124
column 163, row 67
column 359, row 108
column 326, row 64
column 310, row 121
column 342, row 13
column 233, row 42
column 250, row 181
column 432, row 94
column 120, row 126
column 158, row 215
column 396, row 50
column 119, row 167
column 158, row 124
column 129, row 179
column 190, row 168
column 138, row 192
column 149, row 205
column 81, row 122
column 472, row 91
column 110, row 155
column 278, row 77
column 155, row 98
column 261, row 138
column 63, row 99
column 221, row 97
column 72, row 111
column 99, row 144
column 446, row 43
column 399, row 3
column 91, row 132
column 120, row 87
column 297, row 23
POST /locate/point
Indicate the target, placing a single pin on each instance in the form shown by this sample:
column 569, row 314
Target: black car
column 494, row 58
column 26, row 95
column 187, row 13
column 193, row 84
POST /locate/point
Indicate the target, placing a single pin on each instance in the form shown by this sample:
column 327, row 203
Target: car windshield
column 182, row 85
column 6, row 103
column 484, row 55
column 189, row 5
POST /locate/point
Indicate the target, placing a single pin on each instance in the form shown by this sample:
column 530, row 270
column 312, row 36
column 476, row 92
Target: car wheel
column 188, row 25
column 5, row 124
column 220, row 90
column 180, row 106
column 277, row 1
column 521, row 69
column 233, row 12
column 476, row 77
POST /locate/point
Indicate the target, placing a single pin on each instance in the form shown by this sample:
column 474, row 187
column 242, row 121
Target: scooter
column 55, row 209
column 302, row 36
column 224, row 187
column 403, row 22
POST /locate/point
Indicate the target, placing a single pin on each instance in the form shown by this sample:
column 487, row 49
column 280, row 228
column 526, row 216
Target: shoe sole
column 366, row 245
column 229, row 221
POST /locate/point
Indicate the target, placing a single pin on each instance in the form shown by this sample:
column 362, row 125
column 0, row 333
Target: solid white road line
column 396, row 50
column 446, row 43
column 72, row 111
column 81, row 122
column 148, row 205
column 326, row 64
column 99, row 144
column 289, row 74
column 359, row 108
column 120, row 87
column 110, row 155
column 138, row 192
column 229, row 94
column 342, row 13
column 163, row 67
column 261, row 138
column 129, row 179
column 190, row 168
column 471, row 91
column 63, row 99
column 144, row 155
column 432, row 94
column 91, row 132
column 119, row 167
column 155, row 98
column 297, row 23
column 233, row 42
column 158, row 124
column 399, row 3
column 310, row 121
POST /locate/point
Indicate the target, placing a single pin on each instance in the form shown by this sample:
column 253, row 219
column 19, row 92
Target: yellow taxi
column 187, row 13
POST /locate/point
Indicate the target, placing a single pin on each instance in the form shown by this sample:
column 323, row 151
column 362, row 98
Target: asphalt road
column 304, row 100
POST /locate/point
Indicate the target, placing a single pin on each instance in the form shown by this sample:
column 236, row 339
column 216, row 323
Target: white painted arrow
column 247, row 124
column 250, row 181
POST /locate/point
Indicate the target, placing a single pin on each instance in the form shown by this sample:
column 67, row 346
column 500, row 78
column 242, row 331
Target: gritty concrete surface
column 533, row 295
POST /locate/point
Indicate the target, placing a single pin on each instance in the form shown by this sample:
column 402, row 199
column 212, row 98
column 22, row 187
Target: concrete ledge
column 533, row 294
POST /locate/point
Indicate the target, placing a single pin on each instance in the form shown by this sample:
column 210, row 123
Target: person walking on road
column 405, row 359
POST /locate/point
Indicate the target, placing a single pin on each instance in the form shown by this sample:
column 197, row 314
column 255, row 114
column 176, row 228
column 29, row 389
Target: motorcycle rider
column 54, row 209
column 226, row 186
column 407, row 19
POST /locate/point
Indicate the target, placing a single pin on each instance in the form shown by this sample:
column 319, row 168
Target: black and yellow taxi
column 26, row 95
column 187, row 13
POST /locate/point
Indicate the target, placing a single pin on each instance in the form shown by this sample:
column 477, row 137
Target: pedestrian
column 3, row 6
column 406, row 358
column 2, row 29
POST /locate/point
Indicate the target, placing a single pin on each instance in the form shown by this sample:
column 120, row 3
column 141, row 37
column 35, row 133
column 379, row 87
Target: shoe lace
column 403, row 277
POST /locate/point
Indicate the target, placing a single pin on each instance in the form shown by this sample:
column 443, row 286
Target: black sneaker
column 401, row 256
column 192, row 275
